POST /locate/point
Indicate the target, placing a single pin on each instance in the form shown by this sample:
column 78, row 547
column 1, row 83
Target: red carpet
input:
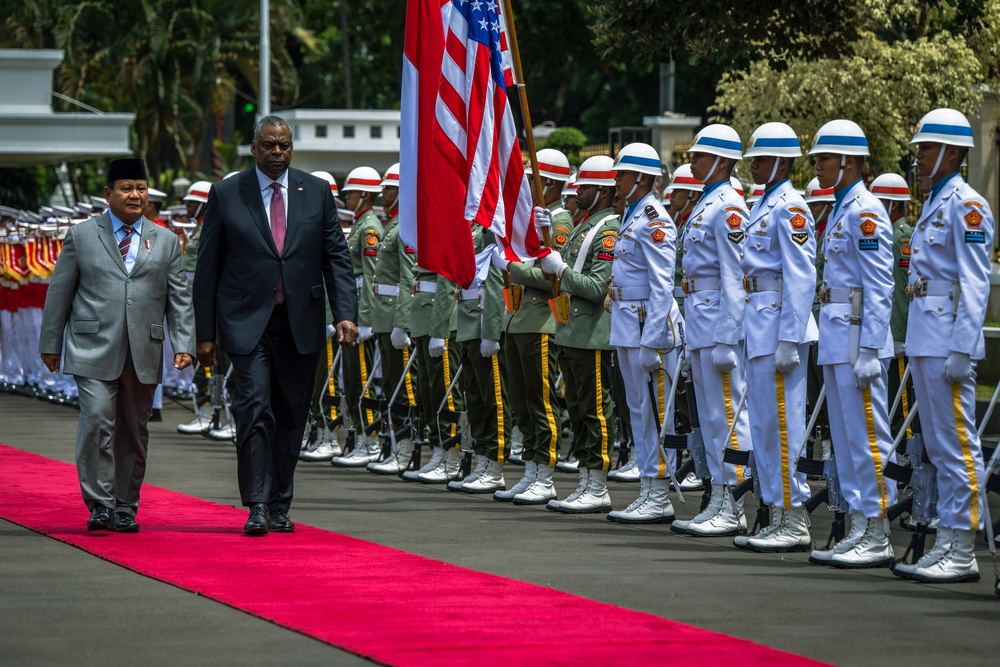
column 390, row 606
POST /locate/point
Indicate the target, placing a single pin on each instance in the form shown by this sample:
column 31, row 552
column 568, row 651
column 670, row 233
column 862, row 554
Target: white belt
column 386, row 290
column 429, row 286
column 468, row 294
column 359, row 281
column 836, row 294
column 761, row 284
column 678, row 292
column 636, row 293
column 700, row 283
column 933, row 288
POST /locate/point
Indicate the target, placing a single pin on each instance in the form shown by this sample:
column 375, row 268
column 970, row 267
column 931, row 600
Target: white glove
column 867, row 368
column 499, row 261
column 649, row 359
column 543, row 218
column 330, row 330
column 786, row 358
column 685, row 362
column 489, row 348
column 435, row 347
column 898, row 349
column 400, row 340
column 957, row 367
column 364, row 333
column 553, row 263
column 724, row 358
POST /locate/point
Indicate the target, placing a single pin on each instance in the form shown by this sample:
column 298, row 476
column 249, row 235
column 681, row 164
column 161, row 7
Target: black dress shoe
column 156, row 415
column 257, row 523
column 125, row 523
column 100, row 519
column 280, row 523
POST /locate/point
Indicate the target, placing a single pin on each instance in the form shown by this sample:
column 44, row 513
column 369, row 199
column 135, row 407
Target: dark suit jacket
column 236, row 277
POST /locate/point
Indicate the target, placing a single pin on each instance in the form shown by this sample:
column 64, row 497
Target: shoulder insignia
column 658, row 235
column 868, row 214
column 973, row 202
column 608, row 242
column 973, row 219
column 736, row 237
column 656, row 223
column 800, row 237
column 650, row 212
column 798, row 221
column 410, row 250
column 560, row 239
column 867, row 244
column 868, row 227
column 371, row 241
column 796, row 209
column 606, row 256
column 371, row 231
column 904, row 246
column 733, row 209
column 734, row 221
column 975, row 237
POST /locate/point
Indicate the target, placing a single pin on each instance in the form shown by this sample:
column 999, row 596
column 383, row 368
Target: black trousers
column 270, row 404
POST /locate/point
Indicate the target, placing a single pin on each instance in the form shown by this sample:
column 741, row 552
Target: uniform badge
column 608, row 242
column 975, row 237
column 657, row 223
column 800, row 237
column 867, row 244
column 796, row 209
column 868, row 227
column 650, row 212
column 904, row 246
column 410, row 251
column 371, row 241
column 798, row 221
column 371, row 231
column 606, row 256
column 733, row 209
column 658, row 235
column 736, row 237
column 868, row 214
column 973, row 202
column 734, row 221
column 973, row 219
column 561, row 239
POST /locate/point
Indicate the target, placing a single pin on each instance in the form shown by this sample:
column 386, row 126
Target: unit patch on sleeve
column 800, row 237
column 868, row 214
column 736, row 237
column 867, row 244
column 410, row 251
column 975, row 237
column 973, row 202
column 734, row 221
column 658, row 235
column 796, row 209
column 868, row 227
column 904, row 252
column 606, row 256
column 733, row 209
column 608, row 242
column 657, row 223
column 973, row 219
column 798, row 221
column 650, row 212
column 560, row 239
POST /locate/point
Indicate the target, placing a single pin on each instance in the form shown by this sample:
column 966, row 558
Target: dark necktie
column 278, row 233
column 127, row 241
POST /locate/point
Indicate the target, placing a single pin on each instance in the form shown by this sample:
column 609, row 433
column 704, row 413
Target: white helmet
column 892, row 187
column 944, row 126
column 232, row 173
column 198, row 191
column 639, row 157
column 328, row 177
column 155, row 195
column 551, row 164
column 735, row 182
column 570, row 188
column 718, row 139
column 756, row 192
column 684, row 180
column 363, row 179
column 598, row 170
column 773, row 139
column 391, row 177
column 841, row 137
column 814, row 193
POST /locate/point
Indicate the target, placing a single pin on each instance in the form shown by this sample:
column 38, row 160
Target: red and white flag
column 460, row 158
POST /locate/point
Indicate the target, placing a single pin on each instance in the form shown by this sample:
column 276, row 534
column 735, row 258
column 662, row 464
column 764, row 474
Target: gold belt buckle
column 746, row 283
column 686, row 285
column 909, row 292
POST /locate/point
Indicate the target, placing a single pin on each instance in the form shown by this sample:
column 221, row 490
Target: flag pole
column 522, row 98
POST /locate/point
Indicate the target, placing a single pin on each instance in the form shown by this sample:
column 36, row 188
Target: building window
column 375, row 132
column 348, row 131
column 321, row 131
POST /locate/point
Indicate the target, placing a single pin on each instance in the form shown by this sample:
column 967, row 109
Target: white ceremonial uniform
column 643, row 279
column 949, row 257
column 858, row 252
column 779, row 264
column 714, row 315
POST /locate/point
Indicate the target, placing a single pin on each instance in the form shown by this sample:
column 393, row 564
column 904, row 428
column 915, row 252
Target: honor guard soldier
column 949, row 285
column 645, row 323
column 360, row 188
column 713, row 317
column 584, row 349
column 569, row 201
column 856, row 298
column 553, row 167
column 778, row 260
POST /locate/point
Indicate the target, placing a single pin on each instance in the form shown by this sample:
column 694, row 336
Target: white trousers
column 718, row 395
column 649, row 453
column 777, row 405
column 947, row 420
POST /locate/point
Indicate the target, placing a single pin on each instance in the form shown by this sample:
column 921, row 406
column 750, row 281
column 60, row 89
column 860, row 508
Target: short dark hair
column 267, row 121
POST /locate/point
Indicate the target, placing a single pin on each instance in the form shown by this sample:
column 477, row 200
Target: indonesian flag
column 460, row 160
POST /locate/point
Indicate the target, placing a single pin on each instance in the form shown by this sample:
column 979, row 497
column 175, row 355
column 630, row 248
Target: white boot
column 655, row 509
column 526, row 479
column 872, row 550
column 713, row 508
column 437, row 455
column 644, row 484
column 516, row 445
column 958, row 563
column 858, row 526
column 554, row 505
column 224, row 433
column 572, row 464
column 489, row 481
column 595, row 497
column 691, row 483
column 942, row 543
column 446, row 470
column 541, row 490
column 396, row 463
column 201, row 423
column 477, row 470
column 324, row 451
column 728, row 519
column 628, row 472
column 792, row 534
column 367, row 450
column 743, row 541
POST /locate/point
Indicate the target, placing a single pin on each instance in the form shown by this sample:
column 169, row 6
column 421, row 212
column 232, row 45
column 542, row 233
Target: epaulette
column 651, row 212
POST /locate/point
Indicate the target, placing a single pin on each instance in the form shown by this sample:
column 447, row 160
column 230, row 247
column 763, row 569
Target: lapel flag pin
column 147, row 245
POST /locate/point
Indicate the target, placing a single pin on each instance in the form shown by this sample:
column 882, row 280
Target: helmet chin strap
column 937, row 164
column 634, row 186
column 711, row 172
column 361, row 198
column 840, row 174
column 597, row 196
column 774, row 170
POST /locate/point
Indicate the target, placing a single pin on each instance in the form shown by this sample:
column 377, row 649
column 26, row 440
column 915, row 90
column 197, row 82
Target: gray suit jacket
column 109, row 310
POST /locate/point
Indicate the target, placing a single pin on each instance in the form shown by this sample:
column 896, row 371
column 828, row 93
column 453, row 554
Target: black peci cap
column 129, row 168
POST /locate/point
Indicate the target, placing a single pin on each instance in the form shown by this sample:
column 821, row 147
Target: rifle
column 460, row 420
column 830, row 494
column 696, row 447
column 373, row 404
column 750, row 482
column 330, row 400
column 616, row 415
column 668, row 411
column 920, row 475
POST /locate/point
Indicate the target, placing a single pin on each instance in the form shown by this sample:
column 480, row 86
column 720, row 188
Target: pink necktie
column 278, row 233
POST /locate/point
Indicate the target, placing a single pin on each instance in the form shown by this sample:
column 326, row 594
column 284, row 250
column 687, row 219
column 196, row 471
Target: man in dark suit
column 117, row 276
column 270, row 242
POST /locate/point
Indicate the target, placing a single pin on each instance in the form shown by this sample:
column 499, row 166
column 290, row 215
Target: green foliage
column 569, row 140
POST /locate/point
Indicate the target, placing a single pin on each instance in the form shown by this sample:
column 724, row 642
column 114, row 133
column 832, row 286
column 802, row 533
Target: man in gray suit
column 116, row 278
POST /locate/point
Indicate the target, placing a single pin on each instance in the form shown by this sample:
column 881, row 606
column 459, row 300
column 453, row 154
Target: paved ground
column 59, row 605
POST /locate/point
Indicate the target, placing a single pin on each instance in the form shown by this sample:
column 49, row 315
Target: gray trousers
column 112, row 438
